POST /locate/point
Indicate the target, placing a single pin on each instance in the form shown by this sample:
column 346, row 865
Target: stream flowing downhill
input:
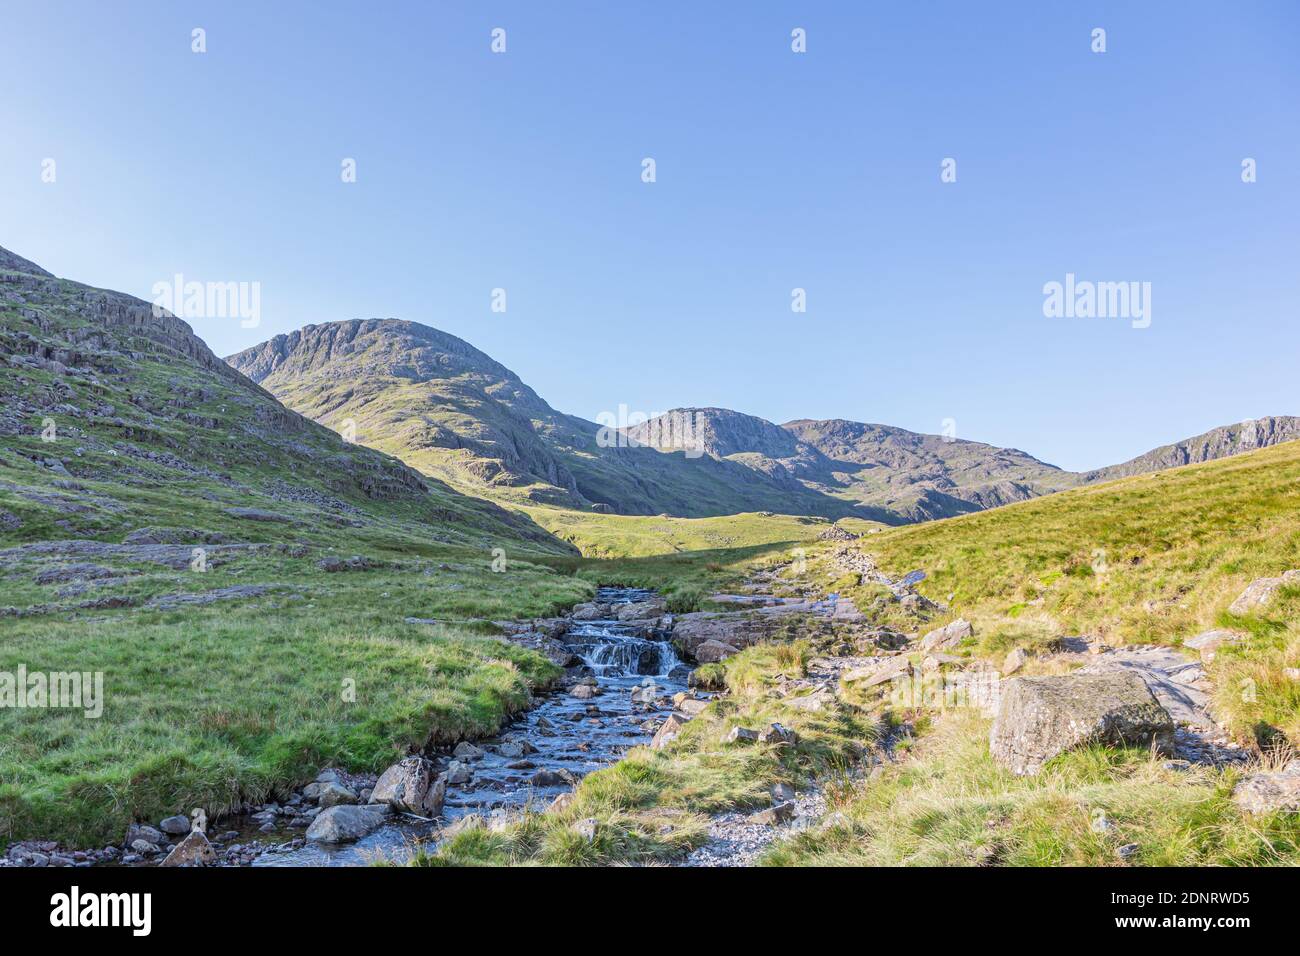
column 544, row 751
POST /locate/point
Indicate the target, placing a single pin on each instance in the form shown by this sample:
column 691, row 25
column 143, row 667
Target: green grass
column 1151, row 559
column 208, row 706
column 600, row 536
column 948, row 804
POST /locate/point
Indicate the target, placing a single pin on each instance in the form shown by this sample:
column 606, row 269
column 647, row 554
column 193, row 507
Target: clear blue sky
column 775, row 170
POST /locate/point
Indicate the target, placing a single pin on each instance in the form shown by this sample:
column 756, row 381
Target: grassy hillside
column 1151, row 559
column 163, row 521
column 455, row 414
column 628, row 536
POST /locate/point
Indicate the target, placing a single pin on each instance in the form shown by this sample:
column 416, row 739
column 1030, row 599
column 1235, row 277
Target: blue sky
column 775, row 170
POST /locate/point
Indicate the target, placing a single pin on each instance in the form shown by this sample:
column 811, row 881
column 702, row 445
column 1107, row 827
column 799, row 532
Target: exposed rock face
column 1040, row 717
column 692, row 631
column 348, row 822
column 1208, row 643
column 413, row 786
column 1260, row 593
column 1217, row 443
column 948, row 636
column 1269, row 792
column 710, row 652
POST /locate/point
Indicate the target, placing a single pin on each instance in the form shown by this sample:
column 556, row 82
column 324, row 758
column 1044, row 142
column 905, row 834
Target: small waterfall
column 620, row 654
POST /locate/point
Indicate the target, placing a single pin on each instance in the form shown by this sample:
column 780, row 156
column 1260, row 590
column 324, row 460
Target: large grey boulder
column 1268, row 792
column 194, row 850
column 734, row 629
column 1261, row 592
column 711, row 652
column 411, row 786
column 1040, row 717
column 347, row 822
column 641, row 610
column 948, row 636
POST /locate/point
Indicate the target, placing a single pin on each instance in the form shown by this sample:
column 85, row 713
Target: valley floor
column 287, row 656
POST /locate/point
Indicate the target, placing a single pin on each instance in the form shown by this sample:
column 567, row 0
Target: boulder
column 1208, row 643
column 641, row 610
column 735, row 629
column 667, row 732
column 872, row 674
column 412, row 786
column 777, row 734
column 1015, row 660
column 780, row 813
column 692, row 707
column 178, row 825
column 141, row 831
column 467, row 751
column 347, row 822
column 458, row 773
column 1261, row 592
column 710, row 652
column 552, row 778
column 1040, row 717
column 1267, row 792
column 583, row 691
column 948, row 636
column 742, row 735
column 191, row 851
column 333, row 795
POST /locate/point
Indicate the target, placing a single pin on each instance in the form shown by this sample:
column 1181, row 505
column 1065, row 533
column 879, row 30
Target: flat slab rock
column 1041, row 717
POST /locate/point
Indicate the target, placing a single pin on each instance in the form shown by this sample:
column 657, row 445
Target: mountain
column 116, row 418
column 1217, row 443
column 457, row 415
column 915, row 477
column 454, row 413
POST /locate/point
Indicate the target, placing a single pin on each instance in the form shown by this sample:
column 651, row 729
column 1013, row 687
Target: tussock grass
column 950, row 805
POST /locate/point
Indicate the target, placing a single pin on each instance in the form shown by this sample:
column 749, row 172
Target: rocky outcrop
column 734, row 630
column 1260, row 593
column 1268, row 792
column 947, row 637
column 1217, row 443
column 1041, row 717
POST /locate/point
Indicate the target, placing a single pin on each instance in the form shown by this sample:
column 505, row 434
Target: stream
column 561, row 733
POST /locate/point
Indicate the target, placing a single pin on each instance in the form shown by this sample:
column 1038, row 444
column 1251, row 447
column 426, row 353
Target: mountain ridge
column 455, row 413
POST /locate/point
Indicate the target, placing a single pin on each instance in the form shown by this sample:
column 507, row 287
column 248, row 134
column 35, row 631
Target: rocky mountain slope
column 454, row 413
column 117, row 419
column 915, row 477
column 1217, row 443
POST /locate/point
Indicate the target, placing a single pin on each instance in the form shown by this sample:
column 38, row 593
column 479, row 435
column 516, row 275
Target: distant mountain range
column 150, row 405
column 454, row 413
